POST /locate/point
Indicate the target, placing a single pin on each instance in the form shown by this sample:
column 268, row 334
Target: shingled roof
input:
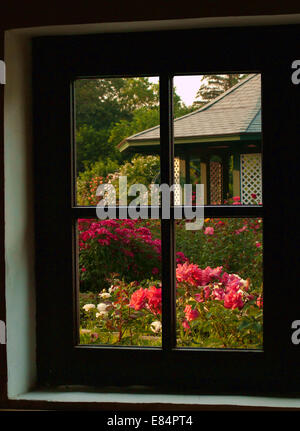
column 235, row 112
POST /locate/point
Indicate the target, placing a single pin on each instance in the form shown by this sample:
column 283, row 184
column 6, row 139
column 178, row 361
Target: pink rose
column 153, row 295
column 233, row 300
column 138, row 299
column 209, row 231
column 186, row 325
column 199, row 297
column 191, row 314
column 260, row 302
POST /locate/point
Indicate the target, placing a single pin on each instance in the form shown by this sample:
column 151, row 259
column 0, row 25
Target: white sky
column 186, row 87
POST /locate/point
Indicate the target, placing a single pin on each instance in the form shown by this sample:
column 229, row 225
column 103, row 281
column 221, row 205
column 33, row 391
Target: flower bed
column 219, row 283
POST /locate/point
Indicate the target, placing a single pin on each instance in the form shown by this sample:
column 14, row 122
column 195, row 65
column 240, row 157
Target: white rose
column 88, row 307
column 101, row 314
column 155, row 326
column 101, row 307
column 104, row 295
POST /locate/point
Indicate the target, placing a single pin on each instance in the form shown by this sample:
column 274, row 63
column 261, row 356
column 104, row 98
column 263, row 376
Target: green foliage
column 103, row 102
column 112, row 109
column 141, row 169
column 91, row 177
column 121, row 315
column 100, row 168
column 117, row 323
column 100, row 105
column 229, row 246
column 142, row 119
column 90, row 143
column 220, row 327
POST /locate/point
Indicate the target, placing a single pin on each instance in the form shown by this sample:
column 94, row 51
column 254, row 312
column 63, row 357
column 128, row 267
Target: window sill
column 139, row 399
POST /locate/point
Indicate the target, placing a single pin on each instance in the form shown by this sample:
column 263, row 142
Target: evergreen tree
column 214, row 85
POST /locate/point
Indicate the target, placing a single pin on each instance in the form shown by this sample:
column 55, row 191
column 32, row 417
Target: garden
column 219, row 289
column 219, row 278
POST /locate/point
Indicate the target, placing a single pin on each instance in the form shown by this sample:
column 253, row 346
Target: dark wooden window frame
column 57, row 61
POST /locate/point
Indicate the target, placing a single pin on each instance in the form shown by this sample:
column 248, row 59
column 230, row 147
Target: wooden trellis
column 177, row 194
column 216, row 194
column 251, row 177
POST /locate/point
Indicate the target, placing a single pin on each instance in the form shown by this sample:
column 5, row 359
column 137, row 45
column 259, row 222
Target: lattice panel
column 177, row 194
column 215, row 170
column 251, row 177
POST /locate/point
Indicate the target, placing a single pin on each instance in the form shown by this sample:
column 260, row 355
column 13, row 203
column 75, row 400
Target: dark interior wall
column 16, row 13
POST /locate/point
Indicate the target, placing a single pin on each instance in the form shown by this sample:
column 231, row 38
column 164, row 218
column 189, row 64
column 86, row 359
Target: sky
column 186, row 87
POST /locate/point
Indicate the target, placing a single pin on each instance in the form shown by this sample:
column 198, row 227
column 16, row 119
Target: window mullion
column 167, row 226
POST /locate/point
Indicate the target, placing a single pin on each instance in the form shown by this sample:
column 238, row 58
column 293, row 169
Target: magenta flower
column 209, row 231
column 233, row 300
column 186, row 325
column 190, row 313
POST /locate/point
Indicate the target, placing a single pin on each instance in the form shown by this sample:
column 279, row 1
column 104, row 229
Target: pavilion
column 218, row 145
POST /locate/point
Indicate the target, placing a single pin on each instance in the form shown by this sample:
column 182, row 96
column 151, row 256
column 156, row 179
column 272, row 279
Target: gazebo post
column 203, row 170
column 236, row 175
column 187, row 168
column 225, row 176
column 206, row 160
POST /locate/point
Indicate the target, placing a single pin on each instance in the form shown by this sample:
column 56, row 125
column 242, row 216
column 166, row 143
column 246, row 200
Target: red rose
column 138, row 299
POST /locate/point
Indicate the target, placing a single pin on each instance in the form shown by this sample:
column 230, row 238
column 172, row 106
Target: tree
column 144, row 118
column 112, row 109
column 214, row 85
column 90, row 143
column 102, row 103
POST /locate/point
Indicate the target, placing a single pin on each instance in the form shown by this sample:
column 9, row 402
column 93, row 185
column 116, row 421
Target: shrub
column 214, row 309
column 126, row 247
column 235, row 244
column 100, row 172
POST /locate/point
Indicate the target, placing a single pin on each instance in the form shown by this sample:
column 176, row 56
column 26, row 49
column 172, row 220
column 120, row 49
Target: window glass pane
column 119, row 277
column 217, row 137
column 110, row 143
column 220, row 284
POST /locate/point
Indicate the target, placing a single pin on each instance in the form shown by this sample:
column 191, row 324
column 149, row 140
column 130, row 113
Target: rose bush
column 219, row 282
column 234, row 243
column 140, row 170
column 125, row 314
column 217, row 309
column 214, row 309
column 127, row 247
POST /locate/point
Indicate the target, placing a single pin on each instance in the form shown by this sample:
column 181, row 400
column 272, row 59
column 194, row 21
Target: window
column 59, row 63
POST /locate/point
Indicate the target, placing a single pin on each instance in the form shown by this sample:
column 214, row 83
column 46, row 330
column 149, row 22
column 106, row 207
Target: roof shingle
column 236, row 111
